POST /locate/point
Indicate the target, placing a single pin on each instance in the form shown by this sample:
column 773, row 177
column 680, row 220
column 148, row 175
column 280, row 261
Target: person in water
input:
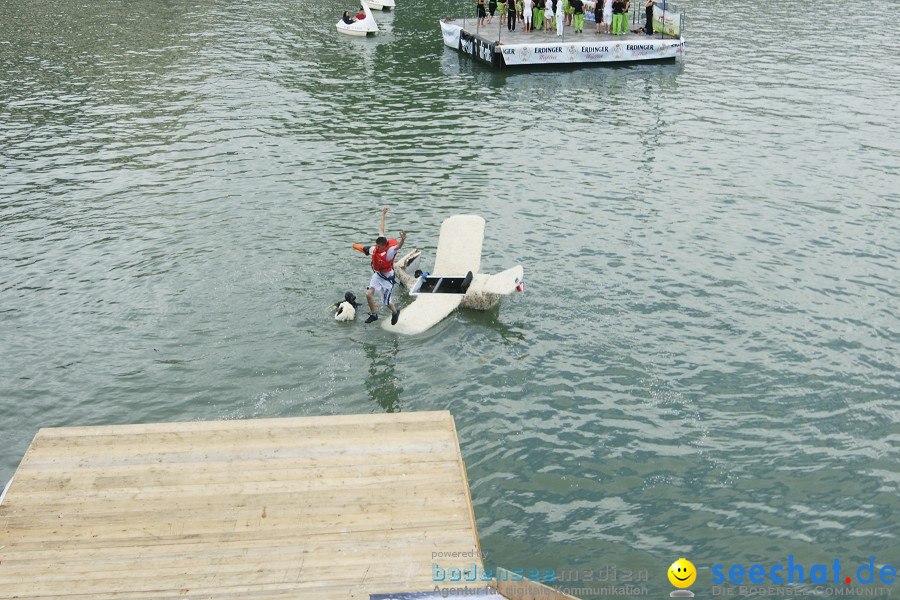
column 383, row 254
column 347, row 18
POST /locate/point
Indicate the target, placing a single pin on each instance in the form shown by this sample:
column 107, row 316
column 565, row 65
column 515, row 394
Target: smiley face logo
column 682, row 573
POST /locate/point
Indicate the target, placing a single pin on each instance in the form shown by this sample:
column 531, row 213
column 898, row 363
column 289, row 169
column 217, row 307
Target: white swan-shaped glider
column 457, row 280
column 360, row 28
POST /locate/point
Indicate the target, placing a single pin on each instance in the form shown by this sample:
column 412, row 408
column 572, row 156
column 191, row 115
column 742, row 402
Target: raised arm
column 383, row 215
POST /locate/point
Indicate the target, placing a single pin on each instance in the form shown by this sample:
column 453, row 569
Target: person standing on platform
column 537, row 21
column 510, row 14
column 577, row 15
column 598, row 15
column 607, row 15
column 560, row 17
column 492, row 8
column 648, row 26
column 548, row 16
column 502, row 6
column 481, row 13
column 617, row 7
column 528, row 13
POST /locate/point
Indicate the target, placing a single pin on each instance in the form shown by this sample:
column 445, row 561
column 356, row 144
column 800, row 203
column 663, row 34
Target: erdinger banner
column 587, row 52
column 666, row 19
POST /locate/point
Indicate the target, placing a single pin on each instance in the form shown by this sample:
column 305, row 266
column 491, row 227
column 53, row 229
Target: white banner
column 667, row 21
column 451, row 34
column 585, row 52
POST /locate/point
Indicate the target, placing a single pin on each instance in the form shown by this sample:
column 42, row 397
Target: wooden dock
column 317, row 507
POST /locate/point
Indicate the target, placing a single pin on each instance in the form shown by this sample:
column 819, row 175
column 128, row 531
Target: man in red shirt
column 383, row 254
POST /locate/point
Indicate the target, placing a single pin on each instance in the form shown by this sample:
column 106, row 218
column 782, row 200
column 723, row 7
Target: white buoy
column 345, row 312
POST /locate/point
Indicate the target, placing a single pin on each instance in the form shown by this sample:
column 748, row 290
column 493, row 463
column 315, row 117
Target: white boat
column 456, row 280
column 382, row 4
column 360, row 28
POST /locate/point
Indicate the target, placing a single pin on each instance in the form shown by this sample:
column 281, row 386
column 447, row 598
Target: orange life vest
column 380, row 263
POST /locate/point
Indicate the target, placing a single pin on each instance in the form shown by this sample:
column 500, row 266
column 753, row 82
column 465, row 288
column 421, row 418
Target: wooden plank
column 306, row 520
column 89, row 479
column 162, row 441
column 335, row 541
column 50, row 496
column 404, row 544
column 363, row 443
column 266, row 515
column 238, row 463
column 259, row 424
column 307, row 567
column 250, row 580
column 351, row 455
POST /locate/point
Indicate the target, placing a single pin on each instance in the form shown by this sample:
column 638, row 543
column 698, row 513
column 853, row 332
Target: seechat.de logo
column 795, row 572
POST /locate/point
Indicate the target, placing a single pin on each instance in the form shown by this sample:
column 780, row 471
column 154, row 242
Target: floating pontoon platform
column 495, row 45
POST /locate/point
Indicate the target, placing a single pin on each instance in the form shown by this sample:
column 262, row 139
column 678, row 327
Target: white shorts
column 382, row 286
